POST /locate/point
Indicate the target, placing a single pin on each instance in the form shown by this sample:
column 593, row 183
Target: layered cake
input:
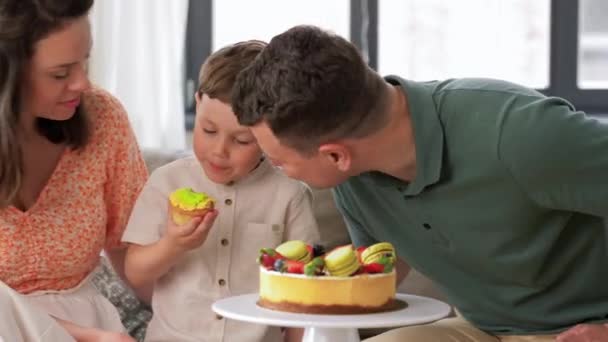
column 297, row 277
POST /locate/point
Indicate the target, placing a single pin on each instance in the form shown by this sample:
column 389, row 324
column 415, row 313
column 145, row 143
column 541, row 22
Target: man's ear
column 338, row 155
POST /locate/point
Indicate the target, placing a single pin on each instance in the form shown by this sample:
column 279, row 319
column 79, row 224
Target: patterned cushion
column 134, row 313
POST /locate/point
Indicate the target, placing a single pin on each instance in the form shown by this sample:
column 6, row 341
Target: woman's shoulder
column 103, row 108
column 107, row 115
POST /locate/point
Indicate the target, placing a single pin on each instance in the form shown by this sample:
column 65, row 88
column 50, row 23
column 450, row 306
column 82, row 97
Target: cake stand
column 326, row 328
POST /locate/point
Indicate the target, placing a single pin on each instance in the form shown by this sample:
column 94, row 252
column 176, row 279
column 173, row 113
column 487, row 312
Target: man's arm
column 558, row 155
column 585, row 333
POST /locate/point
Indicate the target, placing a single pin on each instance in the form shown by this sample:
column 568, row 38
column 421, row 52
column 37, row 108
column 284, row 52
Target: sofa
column 136, row 314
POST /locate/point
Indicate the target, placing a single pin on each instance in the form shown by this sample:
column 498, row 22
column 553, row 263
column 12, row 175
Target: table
column 325, row 328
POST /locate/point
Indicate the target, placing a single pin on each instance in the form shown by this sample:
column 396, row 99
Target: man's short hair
column 311, row 86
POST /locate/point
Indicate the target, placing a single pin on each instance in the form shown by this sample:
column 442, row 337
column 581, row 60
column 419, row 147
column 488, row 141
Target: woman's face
column 54, row 79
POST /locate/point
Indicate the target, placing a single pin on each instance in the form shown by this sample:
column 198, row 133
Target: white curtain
column 138, row 56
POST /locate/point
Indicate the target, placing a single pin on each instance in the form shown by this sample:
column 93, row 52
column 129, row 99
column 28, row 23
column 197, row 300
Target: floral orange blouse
column 83, row 208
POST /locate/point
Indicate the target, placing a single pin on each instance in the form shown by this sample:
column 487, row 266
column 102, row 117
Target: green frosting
column 190, row 198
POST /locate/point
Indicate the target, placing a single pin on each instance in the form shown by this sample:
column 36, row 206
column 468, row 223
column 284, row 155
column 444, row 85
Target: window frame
column 563, row 60
column 563, row 56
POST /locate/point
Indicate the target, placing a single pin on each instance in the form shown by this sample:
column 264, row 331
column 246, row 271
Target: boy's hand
column 191, row 234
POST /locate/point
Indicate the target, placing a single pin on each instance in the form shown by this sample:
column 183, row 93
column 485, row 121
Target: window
column 593, row 44
column 265, row 19
column 214, row 24
column 438, row 39
column 557, row 46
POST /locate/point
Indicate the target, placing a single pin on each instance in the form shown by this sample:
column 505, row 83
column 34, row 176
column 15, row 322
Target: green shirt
column 506, row 213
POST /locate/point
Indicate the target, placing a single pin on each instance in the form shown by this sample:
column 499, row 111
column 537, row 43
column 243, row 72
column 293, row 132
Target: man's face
column 316, row 170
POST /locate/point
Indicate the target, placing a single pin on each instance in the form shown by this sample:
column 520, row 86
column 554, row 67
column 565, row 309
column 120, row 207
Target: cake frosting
column 342, row 281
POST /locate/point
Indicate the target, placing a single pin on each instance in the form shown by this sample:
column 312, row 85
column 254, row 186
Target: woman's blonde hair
column 22, row 24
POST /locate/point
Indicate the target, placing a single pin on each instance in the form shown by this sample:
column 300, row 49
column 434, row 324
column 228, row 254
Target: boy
column 213, row 257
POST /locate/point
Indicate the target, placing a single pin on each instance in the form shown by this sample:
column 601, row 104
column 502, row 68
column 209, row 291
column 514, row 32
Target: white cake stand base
column 318, row 334
column 326, row 328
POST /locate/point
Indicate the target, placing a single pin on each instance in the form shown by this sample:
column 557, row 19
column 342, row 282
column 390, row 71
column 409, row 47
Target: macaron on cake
column 298, row 277
column 295, row 250
column 186, row 203
column 378, row 258
column 342, row 262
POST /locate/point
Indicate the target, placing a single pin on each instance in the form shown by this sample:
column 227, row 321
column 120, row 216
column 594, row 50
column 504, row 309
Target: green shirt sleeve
column 558, row 155
column 357, row 232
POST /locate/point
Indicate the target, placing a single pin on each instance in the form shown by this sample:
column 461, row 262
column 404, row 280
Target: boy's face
column 318, row 170
column 226, row 150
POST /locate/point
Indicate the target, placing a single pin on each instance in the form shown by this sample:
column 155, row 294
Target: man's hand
column 585, row 333
column 191, row 234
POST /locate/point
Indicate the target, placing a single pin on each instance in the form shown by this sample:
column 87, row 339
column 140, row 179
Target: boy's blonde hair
column 218, row 74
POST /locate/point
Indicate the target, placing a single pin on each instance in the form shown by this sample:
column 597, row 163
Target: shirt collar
column 428, row 137
column 263, row 167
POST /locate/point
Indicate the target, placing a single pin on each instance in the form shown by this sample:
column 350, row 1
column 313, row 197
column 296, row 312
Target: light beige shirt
column 262, row 210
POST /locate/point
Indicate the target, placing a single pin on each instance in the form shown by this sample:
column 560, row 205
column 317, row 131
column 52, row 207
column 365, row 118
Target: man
column 493, row 190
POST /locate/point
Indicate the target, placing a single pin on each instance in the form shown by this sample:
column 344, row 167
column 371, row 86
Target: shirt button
column 426, row 226
column 222, row 282
column 224, row 242
column 228, row 201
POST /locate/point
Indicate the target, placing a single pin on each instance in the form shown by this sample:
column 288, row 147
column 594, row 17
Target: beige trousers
column 82, row 305
column 454, row 329
column 21, row 321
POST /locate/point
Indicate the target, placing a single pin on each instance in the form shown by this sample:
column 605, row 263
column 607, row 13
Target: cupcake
column 187, row 203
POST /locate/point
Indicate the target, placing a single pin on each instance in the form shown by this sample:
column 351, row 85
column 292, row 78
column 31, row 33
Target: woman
column 70, row 168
